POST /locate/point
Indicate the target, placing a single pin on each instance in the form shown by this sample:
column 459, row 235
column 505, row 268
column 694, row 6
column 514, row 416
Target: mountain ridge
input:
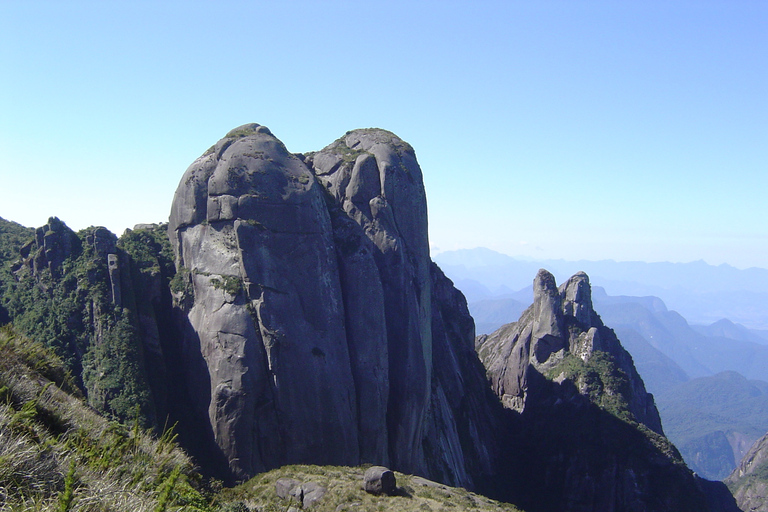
column 702, row 293
column 289, row 312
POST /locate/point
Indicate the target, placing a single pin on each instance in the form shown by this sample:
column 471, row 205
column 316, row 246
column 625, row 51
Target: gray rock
column 379, row 480
column 250, row 224
column 748, row 481
column 574, row 389
column 284, row 486
column 374, row 177
column 547, row 335
column 55, row 242
column 312, row 493
column 540, row 340
column 308, row 311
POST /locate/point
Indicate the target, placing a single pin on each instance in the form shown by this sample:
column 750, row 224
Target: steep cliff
column 304, row 289
column 588, row 436
column 749, row 481
column 95, row 300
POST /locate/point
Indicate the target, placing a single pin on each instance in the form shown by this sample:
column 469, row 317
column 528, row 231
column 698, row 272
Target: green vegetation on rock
column 599, row 379
column 71, row 309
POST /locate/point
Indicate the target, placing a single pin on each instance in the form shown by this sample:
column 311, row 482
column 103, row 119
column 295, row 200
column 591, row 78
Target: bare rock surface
column 250, row 227
column 748, row 481
column 304, row 289
column 379, row 480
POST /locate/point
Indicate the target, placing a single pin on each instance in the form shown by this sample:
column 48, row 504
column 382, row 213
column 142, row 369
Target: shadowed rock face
column 305, row 292
column 748, row 481
column 588, row 435
column 375, row 179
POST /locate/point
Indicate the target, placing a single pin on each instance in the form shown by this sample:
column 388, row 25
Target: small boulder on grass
column 380, row 480
column 303, row 494
column 284, row 486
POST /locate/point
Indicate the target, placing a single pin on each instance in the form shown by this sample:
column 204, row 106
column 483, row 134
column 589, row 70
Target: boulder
column 284, row 486
column 379, row 480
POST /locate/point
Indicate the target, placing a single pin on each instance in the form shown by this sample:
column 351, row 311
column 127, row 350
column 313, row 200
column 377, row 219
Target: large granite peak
column 304, row 287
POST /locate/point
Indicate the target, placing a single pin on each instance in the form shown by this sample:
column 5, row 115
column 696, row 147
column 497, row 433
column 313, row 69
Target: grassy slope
column 58, row 454
column 345, row 492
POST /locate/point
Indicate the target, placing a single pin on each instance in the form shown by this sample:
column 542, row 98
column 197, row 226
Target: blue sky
column 574, row 129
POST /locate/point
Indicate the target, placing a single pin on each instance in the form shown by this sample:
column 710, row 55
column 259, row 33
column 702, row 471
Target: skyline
column 552, row 130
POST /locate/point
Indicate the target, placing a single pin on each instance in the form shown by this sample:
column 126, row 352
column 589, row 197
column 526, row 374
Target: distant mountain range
column 710, row 381
column 701, row 293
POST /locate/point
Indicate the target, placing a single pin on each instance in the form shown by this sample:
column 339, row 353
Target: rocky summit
column 588, row 435
column 308, row 310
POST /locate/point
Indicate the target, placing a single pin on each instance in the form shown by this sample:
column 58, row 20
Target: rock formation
column 290, row 313
column 589, row 436
column 749, row 481
column 561, row 325
column 309, row 296
column 90, row 301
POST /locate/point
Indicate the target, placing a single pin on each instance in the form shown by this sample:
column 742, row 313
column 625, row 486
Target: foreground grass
column 345, row 493
column 58, row 454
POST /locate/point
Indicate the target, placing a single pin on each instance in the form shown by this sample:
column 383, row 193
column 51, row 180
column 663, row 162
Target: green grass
column 58, row 454
column 239, row 133
column 345, row 492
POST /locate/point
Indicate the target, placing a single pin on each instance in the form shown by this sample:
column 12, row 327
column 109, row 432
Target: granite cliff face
column 562, row 327
column 304, row 289
column 588, row 435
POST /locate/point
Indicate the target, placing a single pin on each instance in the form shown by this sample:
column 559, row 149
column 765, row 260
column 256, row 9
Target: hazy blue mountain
column 659, row 371
column 702, row 293
column 709, row 409
column 724, row 328
column 697, row 354
column 490, row 314
column 714, row 420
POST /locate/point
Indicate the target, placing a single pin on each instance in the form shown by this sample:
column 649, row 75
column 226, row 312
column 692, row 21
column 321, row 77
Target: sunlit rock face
column 304, row 289
column 251, row 231
column 375, row 179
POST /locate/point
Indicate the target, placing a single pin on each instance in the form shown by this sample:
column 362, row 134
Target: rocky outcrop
column 749, row 481
column 304, row 287
column 379, row 480
column 302, row 321
column 561, row 327
column 91, row 301
column 588, row 435
column 55, row 243
column 374, row 178
column 251, row 231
